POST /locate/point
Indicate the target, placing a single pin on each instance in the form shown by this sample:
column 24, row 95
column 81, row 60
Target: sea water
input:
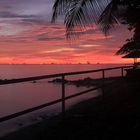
column 21, row 96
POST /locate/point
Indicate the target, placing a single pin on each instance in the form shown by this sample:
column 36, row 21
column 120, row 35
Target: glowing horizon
column 26, row 36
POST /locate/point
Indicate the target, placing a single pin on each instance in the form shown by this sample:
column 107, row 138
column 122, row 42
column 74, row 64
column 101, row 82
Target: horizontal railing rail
column 63, row 98
column 19, row 80
column 44, row 105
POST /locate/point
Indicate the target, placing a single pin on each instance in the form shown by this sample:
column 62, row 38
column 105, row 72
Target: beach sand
column 113, row 116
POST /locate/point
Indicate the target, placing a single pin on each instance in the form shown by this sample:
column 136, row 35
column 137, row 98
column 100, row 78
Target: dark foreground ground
column 115, row 116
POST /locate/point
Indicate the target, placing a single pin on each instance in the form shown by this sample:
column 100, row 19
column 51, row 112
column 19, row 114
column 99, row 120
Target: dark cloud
column 35, row 20
column 15, row 3
column 7, row 14
column 88, row 31
column 29, row 10
column 46, row 37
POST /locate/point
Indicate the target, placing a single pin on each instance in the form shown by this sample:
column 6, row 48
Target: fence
column 63, row 97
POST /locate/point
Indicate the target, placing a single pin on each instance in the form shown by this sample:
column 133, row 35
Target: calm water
column 17, row 97
column 17, row 71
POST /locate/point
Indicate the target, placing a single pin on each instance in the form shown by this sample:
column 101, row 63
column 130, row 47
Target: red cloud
column 47, row 44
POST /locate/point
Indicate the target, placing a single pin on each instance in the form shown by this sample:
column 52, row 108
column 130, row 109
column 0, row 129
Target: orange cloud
column 40, row 43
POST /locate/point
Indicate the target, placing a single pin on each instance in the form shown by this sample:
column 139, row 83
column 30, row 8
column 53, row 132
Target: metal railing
column 63, row 97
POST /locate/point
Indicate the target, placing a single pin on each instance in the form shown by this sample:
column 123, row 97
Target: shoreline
column 115, row 117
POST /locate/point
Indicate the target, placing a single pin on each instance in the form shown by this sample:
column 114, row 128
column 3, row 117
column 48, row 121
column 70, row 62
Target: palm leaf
column 59, row 8
column 130, row 46
column 110, row 16
column 78, row 13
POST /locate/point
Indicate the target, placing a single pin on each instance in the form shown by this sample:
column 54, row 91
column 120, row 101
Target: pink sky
column 26, row 36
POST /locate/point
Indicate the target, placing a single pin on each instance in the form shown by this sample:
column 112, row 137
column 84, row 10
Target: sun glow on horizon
column 27, row 36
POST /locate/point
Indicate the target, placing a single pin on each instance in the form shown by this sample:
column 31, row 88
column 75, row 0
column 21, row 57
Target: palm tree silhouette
column 78, row 14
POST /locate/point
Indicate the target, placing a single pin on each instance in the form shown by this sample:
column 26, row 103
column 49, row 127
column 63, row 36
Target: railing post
column 103, row 98
column 63, row 95
column 103, row 78
column 122, row 73
column 103, row 74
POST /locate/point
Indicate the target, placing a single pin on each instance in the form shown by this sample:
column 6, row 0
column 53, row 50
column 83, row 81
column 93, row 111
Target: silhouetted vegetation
column 79, row 14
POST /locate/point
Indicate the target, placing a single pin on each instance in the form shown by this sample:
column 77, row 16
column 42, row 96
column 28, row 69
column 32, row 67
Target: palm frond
column 109, row 16
column 59, row 8
column 78, row 13
column 130, row 46
column 75, row 16
column 82, row 13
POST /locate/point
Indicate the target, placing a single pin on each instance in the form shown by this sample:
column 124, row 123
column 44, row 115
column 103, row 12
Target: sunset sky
column 27, row 36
